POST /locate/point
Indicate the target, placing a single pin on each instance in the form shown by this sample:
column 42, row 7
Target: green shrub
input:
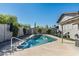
column 48, row 31
column 40, row 30
column 15, row 31
column 24, row 31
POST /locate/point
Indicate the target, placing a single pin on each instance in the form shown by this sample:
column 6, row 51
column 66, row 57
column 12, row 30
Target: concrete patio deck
column 55, row 48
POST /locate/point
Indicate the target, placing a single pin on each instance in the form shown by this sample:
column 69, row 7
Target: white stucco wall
column 5, row 34
column 60, row 28
column 72, row 29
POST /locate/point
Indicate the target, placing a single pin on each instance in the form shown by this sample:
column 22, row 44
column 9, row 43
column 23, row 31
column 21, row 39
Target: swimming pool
column 36, row 41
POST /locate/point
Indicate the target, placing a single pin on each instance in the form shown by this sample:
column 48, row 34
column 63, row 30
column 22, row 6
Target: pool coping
column 44, row 49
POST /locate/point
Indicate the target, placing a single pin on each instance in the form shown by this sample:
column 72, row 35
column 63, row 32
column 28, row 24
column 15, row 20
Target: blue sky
column 42, row 14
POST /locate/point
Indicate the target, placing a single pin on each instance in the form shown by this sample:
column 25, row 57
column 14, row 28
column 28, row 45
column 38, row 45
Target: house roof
column 69, row 13
column 74, row 20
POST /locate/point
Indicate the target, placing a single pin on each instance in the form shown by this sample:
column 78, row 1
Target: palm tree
column 35, row 28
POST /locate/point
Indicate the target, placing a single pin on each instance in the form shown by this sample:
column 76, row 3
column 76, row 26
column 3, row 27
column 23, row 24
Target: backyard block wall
column 5, row 34
column 20, row 32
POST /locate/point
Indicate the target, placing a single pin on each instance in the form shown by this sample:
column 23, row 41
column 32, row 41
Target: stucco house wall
column 72, row 29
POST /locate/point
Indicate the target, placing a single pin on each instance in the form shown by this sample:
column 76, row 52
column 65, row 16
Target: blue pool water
column 35, row 41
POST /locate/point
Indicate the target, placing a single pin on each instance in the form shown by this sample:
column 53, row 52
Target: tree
column 47, row 27
column 48, row 31
column 39, row 30
column 2, row 20
column 15, row 30
column 7, row 19
column 24, row 31
column 35, row 25
column 35, row 28
column 12, row 21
